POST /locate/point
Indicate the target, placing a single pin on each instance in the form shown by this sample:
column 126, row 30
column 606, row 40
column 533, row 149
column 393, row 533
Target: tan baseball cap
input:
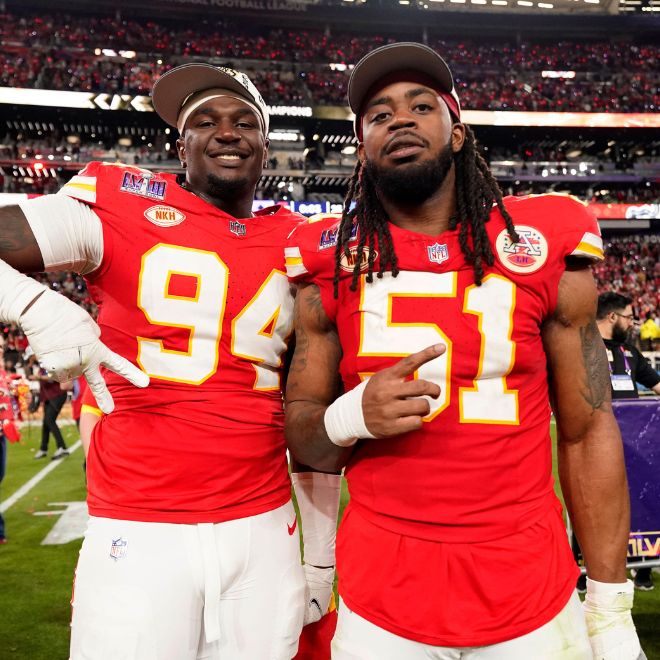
column 400, row 58
column 173, row 89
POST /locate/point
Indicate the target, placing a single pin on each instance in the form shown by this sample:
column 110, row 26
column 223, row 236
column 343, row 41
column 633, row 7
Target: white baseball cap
column 176, row 86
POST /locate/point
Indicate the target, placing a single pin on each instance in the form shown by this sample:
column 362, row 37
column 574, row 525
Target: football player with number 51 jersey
column 452, row 319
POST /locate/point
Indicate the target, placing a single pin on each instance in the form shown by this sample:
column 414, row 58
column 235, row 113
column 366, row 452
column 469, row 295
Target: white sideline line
column 29, row 485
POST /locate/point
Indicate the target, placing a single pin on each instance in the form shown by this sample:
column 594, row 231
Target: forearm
column 593, row 480
column 308, row 440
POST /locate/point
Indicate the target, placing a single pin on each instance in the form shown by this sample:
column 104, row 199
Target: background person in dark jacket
column 53, row 398
column 628, row 367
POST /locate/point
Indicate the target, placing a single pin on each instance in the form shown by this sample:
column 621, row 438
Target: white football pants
column 162, row 591
column 563, row 638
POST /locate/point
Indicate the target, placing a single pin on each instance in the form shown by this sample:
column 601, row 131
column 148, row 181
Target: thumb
column 99, row 389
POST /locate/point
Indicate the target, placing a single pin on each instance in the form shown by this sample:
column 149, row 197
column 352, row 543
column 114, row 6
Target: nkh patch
column 238, row 228
column 348, row 264
column 528, row 255
column 144, row 184
column 118, row 548
column 437, row 252
column 329, row 237
column 164, row 216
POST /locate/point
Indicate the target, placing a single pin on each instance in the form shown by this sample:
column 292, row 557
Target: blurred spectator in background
column 649, row 334
column 628, row 367
column 8, row 430
column 53, row 395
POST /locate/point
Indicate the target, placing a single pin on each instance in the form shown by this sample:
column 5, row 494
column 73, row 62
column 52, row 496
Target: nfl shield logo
column 118, row 548
column 237, row 228
column 437, row 253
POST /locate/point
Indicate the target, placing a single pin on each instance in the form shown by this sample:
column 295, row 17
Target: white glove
column 607, row 608
column 65, row 340
column 318, row 591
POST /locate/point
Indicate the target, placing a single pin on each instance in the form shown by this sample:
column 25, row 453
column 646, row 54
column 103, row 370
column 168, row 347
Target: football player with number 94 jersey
column 192, row 548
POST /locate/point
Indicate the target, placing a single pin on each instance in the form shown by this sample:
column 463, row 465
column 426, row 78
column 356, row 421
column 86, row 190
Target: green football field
column 44, row 527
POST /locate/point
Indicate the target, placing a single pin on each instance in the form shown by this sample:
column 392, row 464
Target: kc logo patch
column 437, row 253
column 118, row 548
column 164, row 216
column 528, row 255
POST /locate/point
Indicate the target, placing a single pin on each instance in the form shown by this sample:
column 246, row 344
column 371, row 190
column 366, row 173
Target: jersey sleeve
column 310, row 256
column 84, row 185
column 68, row 232
column 582, row 233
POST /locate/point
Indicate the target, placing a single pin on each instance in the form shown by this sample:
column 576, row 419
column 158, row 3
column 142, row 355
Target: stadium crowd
column 109, row 55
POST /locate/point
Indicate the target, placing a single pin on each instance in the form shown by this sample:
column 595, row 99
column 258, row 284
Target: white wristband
column 607, row 609
column 317, row 495
column 344, row 419
column 17, row 291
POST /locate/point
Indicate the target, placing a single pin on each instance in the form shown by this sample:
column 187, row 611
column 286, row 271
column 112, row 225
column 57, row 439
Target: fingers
column 418, row 387
column 411, row 363
column 99, row 390
column 122, row 367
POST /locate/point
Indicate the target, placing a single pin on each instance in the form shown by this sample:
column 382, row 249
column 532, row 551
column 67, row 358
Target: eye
column 204, row 123
column 423, row 107
column 379, row 117
column 245, row 125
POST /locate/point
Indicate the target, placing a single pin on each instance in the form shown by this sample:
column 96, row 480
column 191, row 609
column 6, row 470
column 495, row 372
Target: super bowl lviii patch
column 144, row 184
column 527, row 255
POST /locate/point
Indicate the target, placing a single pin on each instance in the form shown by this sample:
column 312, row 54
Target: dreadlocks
column 476, row 191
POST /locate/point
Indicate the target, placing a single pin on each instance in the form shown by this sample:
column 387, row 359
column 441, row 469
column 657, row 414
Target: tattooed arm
column 18, row 246
column 590, row 453
column 313, row 384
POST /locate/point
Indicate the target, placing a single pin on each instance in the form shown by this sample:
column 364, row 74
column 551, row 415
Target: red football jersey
column 200, row 301
column 480, row 468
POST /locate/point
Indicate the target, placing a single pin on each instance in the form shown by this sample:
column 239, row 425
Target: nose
column 226, row 131
column 402, row 118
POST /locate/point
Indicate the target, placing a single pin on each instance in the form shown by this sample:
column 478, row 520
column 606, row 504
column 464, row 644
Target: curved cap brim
column 174, row 87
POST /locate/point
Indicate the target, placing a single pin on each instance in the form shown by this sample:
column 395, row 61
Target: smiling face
column 409, row 139
column 223, row 148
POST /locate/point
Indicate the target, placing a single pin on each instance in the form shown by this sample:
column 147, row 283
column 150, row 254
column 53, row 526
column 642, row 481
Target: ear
column 457, row 137
column 266, row 146
column 181, row 150
column 360, row 152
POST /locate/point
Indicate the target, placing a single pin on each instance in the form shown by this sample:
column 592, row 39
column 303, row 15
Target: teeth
column 229, row 157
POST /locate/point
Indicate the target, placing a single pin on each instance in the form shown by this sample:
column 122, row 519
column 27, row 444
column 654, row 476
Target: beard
column 413, row 184
column 225, row 188
column 620, row 335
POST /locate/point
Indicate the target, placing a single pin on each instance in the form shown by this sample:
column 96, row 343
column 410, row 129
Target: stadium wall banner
column 639, row 421
column 254, row 5
column 626, row 211
column 91, row 101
